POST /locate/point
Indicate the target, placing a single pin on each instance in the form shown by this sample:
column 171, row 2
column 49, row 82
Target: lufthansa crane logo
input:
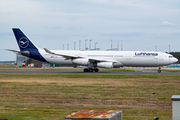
column 23, row 42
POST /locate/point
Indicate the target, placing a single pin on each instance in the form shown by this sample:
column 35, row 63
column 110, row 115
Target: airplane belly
column 127, row 61
column 143, row 62
column 54, row 59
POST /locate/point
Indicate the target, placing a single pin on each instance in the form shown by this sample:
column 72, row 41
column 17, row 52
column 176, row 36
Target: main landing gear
column 159, row 70
column 91, row 70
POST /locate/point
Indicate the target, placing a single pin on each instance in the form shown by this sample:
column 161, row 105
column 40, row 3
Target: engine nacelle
column 117, row 65
column 108, row 65
column 81, row 61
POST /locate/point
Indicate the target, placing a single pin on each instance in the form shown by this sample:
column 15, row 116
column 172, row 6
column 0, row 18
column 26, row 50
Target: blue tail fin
column 23, row 42
column 26, row 46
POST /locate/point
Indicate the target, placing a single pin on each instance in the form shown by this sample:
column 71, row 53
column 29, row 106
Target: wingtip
column 15, row 51
column 48, row 51
column 45, row 49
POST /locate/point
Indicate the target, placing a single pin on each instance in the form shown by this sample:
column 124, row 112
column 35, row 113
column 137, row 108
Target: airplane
column 92, row 60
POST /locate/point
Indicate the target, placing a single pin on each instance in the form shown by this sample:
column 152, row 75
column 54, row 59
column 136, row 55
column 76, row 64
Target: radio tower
column 121, row 45
column 117, row 45
column 111, row 44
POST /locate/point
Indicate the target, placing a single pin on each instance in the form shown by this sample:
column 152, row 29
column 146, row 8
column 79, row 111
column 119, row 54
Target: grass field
column 54, row 96
column 172, row 70
column 63, row 69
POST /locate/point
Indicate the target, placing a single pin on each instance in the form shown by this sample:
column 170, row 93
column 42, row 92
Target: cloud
column 167, row 23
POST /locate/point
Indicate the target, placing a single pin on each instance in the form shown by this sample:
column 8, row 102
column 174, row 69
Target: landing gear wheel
column 159, row 71
column 86, row 70
column 90, row 70
column 96, row 70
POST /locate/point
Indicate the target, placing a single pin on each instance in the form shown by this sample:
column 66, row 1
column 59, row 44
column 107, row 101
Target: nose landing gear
column 159, row 70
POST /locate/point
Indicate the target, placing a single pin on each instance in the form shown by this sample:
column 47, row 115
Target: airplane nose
column 175, row 60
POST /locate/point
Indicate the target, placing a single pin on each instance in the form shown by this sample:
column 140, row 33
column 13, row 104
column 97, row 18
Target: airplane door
column 159, row 60
column 161, row 57
column 128, row 58
column 155, row 60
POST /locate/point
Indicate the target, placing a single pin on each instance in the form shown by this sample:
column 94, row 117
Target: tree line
column 176, row 55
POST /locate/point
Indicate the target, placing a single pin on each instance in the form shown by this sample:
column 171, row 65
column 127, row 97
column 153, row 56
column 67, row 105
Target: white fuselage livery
column 125, row 58
column 91, row 59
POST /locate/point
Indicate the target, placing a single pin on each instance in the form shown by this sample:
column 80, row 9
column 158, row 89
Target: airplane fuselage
column 91, row 59
column 126, row 58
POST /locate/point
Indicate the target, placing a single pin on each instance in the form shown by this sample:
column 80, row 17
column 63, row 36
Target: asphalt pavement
column 142, row 72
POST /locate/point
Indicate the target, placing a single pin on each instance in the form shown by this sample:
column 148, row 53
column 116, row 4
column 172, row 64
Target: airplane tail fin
column 23, row 42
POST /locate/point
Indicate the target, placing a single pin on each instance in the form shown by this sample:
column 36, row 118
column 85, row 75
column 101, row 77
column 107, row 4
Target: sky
column 139, row 24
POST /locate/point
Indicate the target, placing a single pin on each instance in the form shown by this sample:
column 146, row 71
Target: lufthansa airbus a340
column 92, row 59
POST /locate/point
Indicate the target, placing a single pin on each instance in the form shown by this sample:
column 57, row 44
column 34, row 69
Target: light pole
column 155, row 48
column 169, row 48
column 74, row 45
column 90, row 44
column 63, row 46
column 111, row 44
column 85, row 44
column 79, row 44
column 121, row 45
column 95, row 46
column 117, row 45
column 67, row 46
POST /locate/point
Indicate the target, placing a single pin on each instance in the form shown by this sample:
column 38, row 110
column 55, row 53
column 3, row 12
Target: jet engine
column 108, row 65
column 81, row 61
column 117, row 65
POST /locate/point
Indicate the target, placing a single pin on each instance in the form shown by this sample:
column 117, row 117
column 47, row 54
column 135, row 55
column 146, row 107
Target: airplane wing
column 63, row 55
column 102, row 60
column 92, row 59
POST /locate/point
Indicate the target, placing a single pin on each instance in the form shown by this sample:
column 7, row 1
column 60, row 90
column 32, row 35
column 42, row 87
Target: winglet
column 63, row 55
column 48, row 51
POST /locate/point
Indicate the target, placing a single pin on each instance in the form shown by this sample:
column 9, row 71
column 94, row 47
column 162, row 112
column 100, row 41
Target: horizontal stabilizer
column 15, row 51
column 25, row 53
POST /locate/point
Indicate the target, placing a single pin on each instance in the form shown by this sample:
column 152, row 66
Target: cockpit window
column 171, row 57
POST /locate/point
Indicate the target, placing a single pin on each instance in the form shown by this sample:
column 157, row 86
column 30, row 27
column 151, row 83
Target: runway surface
column 143, row 72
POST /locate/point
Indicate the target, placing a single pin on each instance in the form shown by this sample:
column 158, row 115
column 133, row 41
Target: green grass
column 116, row 70
column 32, row 96
column 50, row 76
column 62, row 69
column 171, row 70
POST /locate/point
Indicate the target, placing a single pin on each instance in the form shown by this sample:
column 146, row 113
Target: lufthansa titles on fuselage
column 144, row 54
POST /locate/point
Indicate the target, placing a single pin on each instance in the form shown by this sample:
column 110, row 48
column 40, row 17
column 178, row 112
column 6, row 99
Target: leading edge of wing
column 75, row 57
column 103, row 60
column 63, row 55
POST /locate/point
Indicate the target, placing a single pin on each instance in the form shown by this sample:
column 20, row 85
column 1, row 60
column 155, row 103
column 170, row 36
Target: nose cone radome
column 175, row 60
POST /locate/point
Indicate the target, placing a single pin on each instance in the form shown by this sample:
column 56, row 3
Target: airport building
column 20, row 60
column 23, row 61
